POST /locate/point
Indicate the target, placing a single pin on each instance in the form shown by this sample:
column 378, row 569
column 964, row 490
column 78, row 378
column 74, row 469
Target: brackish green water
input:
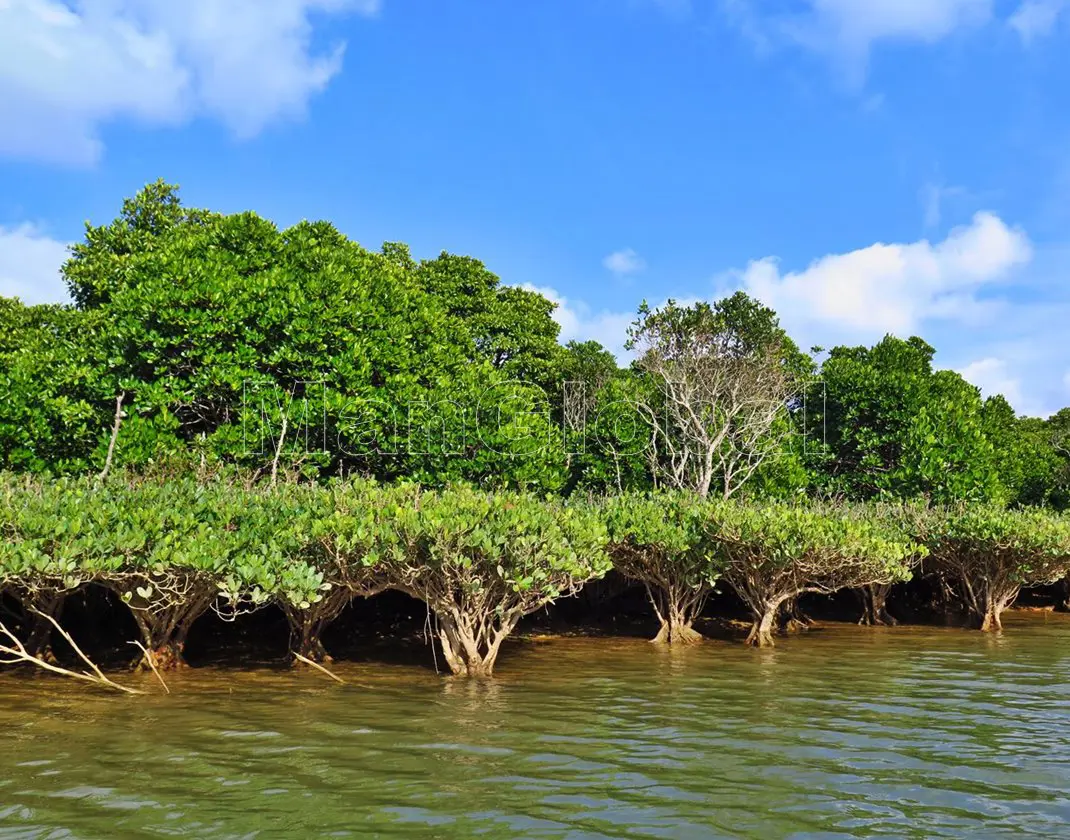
column 843, row 732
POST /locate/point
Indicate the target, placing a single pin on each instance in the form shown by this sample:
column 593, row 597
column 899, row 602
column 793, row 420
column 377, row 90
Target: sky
column 862, row 166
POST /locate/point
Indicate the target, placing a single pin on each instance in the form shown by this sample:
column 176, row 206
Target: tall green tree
column 105, row 261
column 51, row 410
column 894, row 426
column 298, row 348
column 1030, row 466
column 508, row 326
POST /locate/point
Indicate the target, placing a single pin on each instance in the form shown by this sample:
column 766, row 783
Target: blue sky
column 864, row 166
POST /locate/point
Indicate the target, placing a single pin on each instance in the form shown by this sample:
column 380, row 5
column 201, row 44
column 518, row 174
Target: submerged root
column 149, row 661
column 470, row 646
column 679, row 633
column 988, row 611
column 166, row 657
column 40, row 606
column 793, row 619
column 760, row 638
column 308, row 650
column 874, row 606
column 676, row 609
column 993, row 619
column 761, row 632
column 299, row 658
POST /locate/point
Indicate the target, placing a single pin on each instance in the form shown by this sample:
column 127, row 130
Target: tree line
column 481, row 561
column 229, row 414
column 202, row 339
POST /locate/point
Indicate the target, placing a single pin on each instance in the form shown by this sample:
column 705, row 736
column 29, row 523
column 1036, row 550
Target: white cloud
column 66, row 69
column 624, row 262
column 858, row 24
column 848, row 29
column 30, row 264
column 867, row 293
column 579, row 323
column 1036, row 18
column 994, row 308
column 993, row 376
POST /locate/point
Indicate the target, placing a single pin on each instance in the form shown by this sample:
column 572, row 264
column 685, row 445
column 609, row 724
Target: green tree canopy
column 226, row 335
column 895, row 426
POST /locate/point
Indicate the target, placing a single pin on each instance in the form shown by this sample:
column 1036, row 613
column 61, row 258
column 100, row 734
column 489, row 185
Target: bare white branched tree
column 586, row 368
column 723, row 378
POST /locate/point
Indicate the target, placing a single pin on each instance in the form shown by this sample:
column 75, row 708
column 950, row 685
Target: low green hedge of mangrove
column 984, row 555
column 680, row 547
column 171, row 551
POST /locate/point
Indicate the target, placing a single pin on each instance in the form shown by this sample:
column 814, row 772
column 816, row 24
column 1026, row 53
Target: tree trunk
column 309, row 645
column 164, row 609
column 874, row 605
column 466, row 653
column 164, row 644
column 164, row 634
column 761, row 633
column 38, row 641
column 794, row 620
column 994, row 605
column 677, row 607
column 307, row 625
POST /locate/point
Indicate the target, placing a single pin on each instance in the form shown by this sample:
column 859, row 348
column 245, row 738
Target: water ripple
column 845, row 732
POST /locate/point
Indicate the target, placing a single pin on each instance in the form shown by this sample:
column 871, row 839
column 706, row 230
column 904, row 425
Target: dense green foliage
column 776, row 552
column 482, row 561
column 663, row 541
column 232, row 415
column 172, row 550
column 894, row 426
column 230, row 342
column 169, row 550
column 986, row 554
column 679, row 546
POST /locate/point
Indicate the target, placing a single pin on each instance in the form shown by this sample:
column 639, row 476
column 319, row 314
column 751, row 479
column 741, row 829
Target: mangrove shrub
column 777, row 552
column 662, row 540
column 985, row 555
column 481, row 561
column 169, row 551
column 351, row 534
